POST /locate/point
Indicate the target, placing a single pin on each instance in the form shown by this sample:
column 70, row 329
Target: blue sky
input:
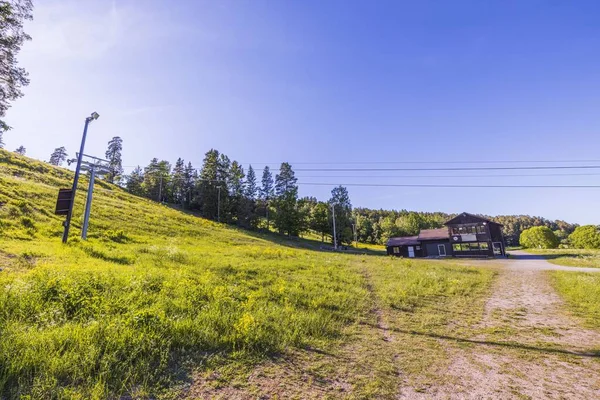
column 328, row 81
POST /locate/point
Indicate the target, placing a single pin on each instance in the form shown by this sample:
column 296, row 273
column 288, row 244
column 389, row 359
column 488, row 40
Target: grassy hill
column 159, row 303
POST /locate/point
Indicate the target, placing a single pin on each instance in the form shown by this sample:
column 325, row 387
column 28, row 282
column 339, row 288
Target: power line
column 445, row 169
column 429, row 162
column 443, row 176
column 449, row 186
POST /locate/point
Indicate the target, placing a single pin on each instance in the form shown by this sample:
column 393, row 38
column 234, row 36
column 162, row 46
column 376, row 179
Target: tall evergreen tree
column 58, row 156
column 340, row 202
column 178, row 179
column 208, row 185
column 13, row 14
column 287, row 216
column 319, row 220
column 113, row 155
column 267, row 189
column 135, row 181
column 157, row 180
column 190, row 176
column 21, row 150
column 236, row 193
column 251, row 187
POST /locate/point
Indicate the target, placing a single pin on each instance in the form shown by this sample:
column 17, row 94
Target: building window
column 484, row 246
column 474, row 246
column 396, row 250
column 465, row 247
column 481, row 229
column 456, row 247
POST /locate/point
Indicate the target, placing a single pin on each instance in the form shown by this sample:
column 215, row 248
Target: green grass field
column 157, row 299
column 570, row 257
column 582, row 293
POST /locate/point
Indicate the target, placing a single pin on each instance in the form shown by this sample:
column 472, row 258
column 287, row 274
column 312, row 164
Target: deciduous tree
column 540, row 237
column 586, row 237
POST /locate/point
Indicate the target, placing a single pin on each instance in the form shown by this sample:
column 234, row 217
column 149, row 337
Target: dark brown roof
column 465, row 214
column 434, row 234
column 404, row 241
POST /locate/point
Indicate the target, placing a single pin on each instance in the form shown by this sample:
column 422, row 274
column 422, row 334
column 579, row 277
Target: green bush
column 586, row 237
column 539, row 237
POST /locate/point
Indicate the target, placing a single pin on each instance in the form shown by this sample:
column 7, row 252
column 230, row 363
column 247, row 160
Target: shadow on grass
column 512, row 345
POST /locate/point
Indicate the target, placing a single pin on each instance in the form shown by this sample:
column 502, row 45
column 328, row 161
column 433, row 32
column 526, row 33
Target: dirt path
column 527, row 345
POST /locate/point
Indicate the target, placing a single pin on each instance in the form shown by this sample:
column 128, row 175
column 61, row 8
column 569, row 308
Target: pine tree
column 21, row 150
column 319, row 220
column 135, row 181
column 178, row 179
column 266, row 194
column 340, row 201
column 266, row 191
column 58, row 156
column 287, row 216
column 251, row 187
column 190, row 177
column 113, row 155
column 13, row 14
column 157, row 180
column 236, row 192
column 208, row 185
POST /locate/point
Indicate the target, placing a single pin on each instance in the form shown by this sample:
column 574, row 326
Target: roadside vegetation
column 582, row 293
column 157, row 298
column 570, row 257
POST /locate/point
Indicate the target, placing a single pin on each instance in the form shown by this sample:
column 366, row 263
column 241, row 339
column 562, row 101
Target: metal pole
column 88, row 204
column 334, row 235
column 267, row 205
column 75, row 181
column 160, row 191
column 218, row 203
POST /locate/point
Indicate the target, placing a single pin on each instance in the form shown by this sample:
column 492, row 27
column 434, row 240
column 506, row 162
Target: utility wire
column 445, row 169
column 429, row 162
column 442, row 176
column 449, row 186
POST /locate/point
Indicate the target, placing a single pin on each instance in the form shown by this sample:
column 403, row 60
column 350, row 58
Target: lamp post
column 67, row 223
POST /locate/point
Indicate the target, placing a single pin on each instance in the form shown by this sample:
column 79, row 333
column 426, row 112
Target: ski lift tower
column 95, row 166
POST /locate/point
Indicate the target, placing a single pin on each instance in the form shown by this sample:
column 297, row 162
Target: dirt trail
column 527, row 346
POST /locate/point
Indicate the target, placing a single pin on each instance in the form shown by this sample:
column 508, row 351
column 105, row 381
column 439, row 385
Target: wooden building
column 475, row 236
column 465, row 235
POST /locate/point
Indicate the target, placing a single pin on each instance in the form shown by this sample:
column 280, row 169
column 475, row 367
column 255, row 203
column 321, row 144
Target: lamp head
column 95, row 115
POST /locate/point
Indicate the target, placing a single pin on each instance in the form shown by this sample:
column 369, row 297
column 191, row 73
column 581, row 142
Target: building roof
column 465, row 214
column 403, row 241
column 434, row 234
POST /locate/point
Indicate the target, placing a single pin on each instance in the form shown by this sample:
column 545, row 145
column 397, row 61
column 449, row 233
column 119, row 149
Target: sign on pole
column 63, row 203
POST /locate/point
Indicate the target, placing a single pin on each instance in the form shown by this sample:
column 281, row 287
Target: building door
column 442, row 250
column 497, row 246
column 411, row 252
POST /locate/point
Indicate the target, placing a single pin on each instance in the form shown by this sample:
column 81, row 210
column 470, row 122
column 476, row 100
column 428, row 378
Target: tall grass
column 155, row 292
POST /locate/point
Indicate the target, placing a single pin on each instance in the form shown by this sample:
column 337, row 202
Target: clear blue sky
column 328, row 81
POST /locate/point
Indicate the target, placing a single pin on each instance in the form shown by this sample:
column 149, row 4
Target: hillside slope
column 156, row 299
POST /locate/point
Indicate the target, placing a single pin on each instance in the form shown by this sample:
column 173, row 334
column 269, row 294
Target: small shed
column 435, row 242
column 407, row 246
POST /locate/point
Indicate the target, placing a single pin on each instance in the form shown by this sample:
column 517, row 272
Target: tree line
column 542, row 237
column 377, row 226
column 222, row 190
